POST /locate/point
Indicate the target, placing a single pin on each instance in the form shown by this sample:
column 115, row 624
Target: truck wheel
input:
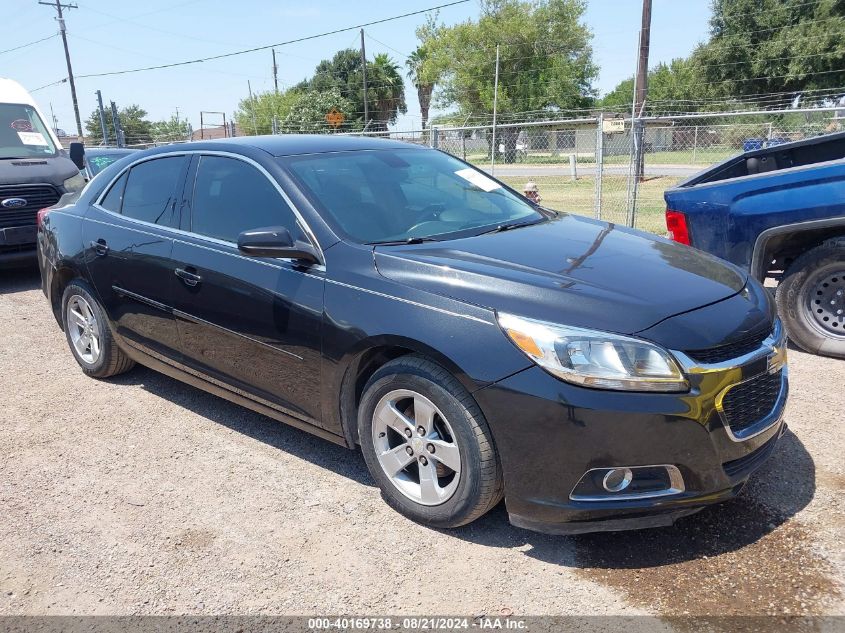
column 427, row 445
column 811, row 299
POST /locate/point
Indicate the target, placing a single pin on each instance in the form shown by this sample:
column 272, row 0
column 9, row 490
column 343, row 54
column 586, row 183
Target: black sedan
column 473, row 344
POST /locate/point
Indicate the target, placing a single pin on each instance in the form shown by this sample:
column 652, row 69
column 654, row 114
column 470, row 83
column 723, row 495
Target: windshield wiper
column 410, row 240
column 507, row 226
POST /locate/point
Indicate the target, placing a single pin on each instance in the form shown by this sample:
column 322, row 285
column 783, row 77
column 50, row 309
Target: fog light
column 617, row 479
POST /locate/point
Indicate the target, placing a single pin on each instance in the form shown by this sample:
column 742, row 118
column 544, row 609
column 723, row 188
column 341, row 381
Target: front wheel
column 811, row 299
column 427, row 444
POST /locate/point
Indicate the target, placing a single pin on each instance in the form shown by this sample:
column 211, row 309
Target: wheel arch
column 372, row 354
column 782, row 244
column 61, row 277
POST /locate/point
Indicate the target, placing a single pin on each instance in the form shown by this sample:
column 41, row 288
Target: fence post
column 599, row 164
column 434, row 138
column 694, row 144
column 573, row 170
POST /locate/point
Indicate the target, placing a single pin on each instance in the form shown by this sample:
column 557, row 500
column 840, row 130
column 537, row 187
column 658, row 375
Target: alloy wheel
column 84, row 329
column 416, row 447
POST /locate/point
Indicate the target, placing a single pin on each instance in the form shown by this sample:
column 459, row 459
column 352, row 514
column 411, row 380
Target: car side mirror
column 275, row 241
column 77, row 155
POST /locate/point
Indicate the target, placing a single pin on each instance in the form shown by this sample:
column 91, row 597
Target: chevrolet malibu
column 475, row 346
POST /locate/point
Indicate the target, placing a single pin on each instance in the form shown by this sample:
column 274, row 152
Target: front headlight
column 74, row 183
column 595, row 359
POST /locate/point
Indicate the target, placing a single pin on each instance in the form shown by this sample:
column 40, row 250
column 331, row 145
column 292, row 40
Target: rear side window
column 150, row 190
column 115, row 195
column 231, row 196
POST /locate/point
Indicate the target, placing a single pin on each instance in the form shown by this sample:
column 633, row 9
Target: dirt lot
column 141, row 495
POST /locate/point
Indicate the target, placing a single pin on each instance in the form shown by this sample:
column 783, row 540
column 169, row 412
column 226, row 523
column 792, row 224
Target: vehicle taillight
column 39, row 217
column 676, row 222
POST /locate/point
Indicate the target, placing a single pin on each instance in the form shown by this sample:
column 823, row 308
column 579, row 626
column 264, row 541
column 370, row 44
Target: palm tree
column 386, row 92
column 424, row 87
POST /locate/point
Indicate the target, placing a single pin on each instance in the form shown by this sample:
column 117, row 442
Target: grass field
column 578, row 197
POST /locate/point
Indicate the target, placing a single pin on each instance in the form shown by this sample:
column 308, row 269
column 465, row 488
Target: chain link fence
column 589, row 166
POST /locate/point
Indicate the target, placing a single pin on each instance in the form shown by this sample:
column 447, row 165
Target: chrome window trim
column 300, row 219
column 676, row 486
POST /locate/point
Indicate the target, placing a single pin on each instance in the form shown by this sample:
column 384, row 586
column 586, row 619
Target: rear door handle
column 188, row 277
column 100, row 247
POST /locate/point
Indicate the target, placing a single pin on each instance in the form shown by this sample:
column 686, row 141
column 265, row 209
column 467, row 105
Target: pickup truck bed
column 779, row 213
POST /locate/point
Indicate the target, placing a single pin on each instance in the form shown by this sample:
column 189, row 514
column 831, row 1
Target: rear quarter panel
column 726, row 218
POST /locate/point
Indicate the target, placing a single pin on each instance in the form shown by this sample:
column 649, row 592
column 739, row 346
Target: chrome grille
column 729, row 351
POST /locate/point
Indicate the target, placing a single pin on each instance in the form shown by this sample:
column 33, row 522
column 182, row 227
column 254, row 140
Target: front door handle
column 188, row 277
column 100, row 247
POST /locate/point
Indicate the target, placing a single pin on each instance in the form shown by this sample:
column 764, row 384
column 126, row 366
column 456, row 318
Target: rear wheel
column 427, row 445
column 811, row 299
column 88, row 334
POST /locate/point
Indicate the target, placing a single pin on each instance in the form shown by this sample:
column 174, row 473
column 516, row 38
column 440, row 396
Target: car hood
column 24, row 171
column 570, row 270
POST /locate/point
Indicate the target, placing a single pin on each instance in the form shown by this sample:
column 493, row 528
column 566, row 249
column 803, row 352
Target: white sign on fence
column 613, row 125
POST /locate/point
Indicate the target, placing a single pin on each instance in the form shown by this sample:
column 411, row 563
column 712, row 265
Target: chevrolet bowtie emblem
column 777, row 359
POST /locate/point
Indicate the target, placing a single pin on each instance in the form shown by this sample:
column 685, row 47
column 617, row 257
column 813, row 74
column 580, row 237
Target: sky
column 113, row 35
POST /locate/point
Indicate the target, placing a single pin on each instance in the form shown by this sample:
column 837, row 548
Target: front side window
column 150, row 190
column 23, row 133
column 231, row 196
column 377, row 196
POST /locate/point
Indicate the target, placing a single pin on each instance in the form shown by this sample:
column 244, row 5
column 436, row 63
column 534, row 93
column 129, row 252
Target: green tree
column 545, row 66
column 136, row 127
column 422, row 82
column 172, row 129
column 255, row 115
column 386, row 92
column 308, row 111
column 762, row 46
column 672, row 86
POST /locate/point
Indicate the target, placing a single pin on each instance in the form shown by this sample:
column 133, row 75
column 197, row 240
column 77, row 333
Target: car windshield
column 398, row 195
column 22, row 133
column 98, row 162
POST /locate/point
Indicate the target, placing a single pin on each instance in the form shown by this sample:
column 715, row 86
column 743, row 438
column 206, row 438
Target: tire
column 811, row 299
column 84, row 320
column 428, row 489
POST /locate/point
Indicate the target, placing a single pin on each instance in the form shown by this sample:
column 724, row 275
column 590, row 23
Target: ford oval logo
column 13, row 203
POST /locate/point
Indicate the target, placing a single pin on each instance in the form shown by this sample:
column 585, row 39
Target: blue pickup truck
column 779, row 213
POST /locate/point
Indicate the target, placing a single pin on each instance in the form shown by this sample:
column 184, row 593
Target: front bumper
column 549, row 433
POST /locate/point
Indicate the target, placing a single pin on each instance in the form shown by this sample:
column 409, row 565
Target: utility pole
column 58, row 6
column 120, row 137
column 495, row 108
column 364, row 70
column 275, row 73
column 641, row 87
column 252, row 102
column 102, row 118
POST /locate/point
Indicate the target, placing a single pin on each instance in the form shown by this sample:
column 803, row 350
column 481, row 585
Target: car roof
column 293, row 144
column 106, row 151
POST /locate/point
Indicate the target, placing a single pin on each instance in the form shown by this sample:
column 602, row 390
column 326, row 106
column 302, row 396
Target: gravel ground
column 142, row 495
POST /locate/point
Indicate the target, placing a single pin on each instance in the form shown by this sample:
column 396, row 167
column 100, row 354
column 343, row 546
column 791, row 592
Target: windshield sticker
column 32, row 138
column 478, row 179
column 21, row 125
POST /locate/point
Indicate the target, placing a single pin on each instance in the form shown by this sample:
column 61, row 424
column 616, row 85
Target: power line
column 269, row 46
column 17, row 48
